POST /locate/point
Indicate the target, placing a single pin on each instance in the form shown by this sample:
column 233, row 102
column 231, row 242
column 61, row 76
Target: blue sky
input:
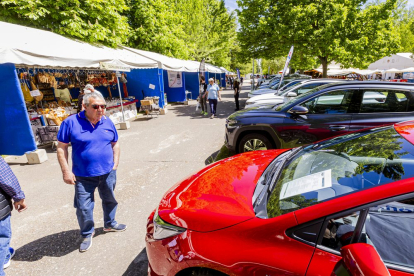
column 232, row 4
column 411, row 2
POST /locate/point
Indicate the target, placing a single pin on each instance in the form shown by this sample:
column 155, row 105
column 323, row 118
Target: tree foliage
column 404, row 25
column 351, row 32
column 178, row 28
column 93, row 21
column 184, row 29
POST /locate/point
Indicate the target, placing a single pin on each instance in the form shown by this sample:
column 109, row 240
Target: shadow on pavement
column 139, row 265
column 211, row 158
column 55, row 245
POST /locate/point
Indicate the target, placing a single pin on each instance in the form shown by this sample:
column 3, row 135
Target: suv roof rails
column 363, row 83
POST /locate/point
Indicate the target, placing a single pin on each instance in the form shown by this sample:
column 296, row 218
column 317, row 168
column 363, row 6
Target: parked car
column 319, row 114
column 276, row 80
column 294, row 212
column 286, row 83
column 293, row 91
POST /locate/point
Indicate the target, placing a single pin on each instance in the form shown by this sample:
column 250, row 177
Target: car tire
column 253, row 142
column 202, row 272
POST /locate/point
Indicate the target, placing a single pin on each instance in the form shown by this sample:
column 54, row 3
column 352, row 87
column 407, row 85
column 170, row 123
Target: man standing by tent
column 95, row 158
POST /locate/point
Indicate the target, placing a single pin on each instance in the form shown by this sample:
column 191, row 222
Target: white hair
column 94, row 95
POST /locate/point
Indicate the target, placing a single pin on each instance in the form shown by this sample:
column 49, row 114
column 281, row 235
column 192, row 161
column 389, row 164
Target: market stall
column 44, row 72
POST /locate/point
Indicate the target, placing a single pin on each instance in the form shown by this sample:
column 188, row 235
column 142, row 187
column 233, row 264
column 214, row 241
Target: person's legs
column 84, row 203
column 214, row 106
column 203, row 104
column 5, row 236
column 210, row 102
column 106, row 189
column 236, row 98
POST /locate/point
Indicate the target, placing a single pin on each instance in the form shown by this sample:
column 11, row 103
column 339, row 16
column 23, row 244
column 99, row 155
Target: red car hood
column 218, row 196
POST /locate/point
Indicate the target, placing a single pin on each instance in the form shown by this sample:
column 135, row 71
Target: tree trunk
column 302, row 71
column 324, row 61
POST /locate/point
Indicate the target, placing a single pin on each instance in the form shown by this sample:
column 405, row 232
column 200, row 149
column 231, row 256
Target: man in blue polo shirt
column 95, row 158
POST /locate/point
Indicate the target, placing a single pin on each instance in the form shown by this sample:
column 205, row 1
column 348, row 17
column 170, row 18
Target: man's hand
column 20, row 206
column 69, row 178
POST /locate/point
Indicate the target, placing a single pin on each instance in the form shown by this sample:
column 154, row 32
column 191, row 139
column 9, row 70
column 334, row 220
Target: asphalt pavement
column 156, row 153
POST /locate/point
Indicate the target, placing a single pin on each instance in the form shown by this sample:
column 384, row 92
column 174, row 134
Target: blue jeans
column 5, row 236
column 213, row 105
column 85, row 200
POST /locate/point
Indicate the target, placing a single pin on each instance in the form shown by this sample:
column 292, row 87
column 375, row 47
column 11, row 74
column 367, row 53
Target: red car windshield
column 340, row 166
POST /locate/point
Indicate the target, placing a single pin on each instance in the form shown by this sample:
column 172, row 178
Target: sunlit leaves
column 350, row 32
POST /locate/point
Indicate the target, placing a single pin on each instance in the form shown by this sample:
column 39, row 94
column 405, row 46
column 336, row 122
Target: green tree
column 275, row 65
column 157, row 26
column 184, row 29
column 91, row 20
column 404, row 25
column 351, row 32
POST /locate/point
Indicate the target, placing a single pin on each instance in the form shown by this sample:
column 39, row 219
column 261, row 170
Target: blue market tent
column 22, row 47
column 16, row 137
column 185, row 71
column 192, row 84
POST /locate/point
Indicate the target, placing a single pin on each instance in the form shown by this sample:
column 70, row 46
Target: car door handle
column 337, row 128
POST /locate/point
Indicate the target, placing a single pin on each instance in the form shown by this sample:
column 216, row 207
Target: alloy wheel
column 254, row 144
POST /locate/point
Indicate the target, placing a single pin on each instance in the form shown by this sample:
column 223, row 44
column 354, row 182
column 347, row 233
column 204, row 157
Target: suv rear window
column 340, row 166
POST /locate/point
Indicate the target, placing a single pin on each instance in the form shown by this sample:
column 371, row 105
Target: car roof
column 353, row 85
column 406, row 130
column 376, row 84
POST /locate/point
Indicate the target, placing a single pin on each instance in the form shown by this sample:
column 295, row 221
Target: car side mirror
column 360, row 259
column 299, row 110
column 291, row 94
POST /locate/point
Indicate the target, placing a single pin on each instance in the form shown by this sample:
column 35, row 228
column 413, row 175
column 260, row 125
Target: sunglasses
column 97, row 106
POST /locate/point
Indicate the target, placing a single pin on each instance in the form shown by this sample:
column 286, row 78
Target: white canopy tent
column 167, row 63
column 33, row 47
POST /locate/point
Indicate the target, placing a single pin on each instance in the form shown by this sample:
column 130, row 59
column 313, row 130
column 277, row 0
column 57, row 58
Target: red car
column 294, row 212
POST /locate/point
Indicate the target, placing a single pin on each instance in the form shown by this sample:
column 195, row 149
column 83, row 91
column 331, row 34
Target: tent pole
column 120, row 98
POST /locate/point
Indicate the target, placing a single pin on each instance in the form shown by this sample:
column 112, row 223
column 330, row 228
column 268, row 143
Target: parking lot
column 155, row 154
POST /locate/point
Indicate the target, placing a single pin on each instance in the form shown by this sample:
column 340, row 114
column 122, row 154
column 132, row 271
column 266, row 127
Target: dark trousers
column 236, row 99
column 213, row 105
column 203, row 103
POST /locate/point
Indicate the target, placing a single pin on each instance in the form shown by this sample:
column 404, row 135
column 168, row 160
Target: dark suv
column 326, row 111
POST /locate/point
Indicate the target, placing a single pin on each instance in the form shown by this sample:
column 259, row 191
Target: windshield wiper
column 260, row 204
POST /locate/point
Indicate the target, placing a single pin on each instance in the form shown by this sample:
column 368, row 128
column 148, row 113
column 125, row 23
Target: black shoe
column 236, row 109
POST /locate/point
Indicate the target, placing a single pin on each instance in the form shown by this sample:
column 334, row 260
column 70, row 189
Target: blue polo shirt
column 92, row 153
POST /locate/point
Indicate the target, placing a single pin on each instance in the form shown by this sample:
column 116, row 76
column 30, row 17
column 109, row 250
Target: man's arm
column 62, row 155
column 10, row 185
column 117, row 152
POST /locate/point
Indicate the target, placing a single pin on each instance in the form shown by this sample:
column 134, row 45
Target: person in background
column 231, row 82
column 202, row 96
column 95, row 158
column 237, row 93
column 213, row 95
column 9, row 190
column 241, row 81
column 86, row 90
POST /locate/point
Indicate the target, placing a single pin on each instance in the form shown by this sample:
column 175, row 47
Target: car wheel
column 253, row 142
column 202, row 272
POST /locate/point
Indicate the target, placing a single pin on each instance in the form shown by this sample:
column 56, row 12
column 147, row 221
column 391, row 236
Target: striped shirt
column 9, row 183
